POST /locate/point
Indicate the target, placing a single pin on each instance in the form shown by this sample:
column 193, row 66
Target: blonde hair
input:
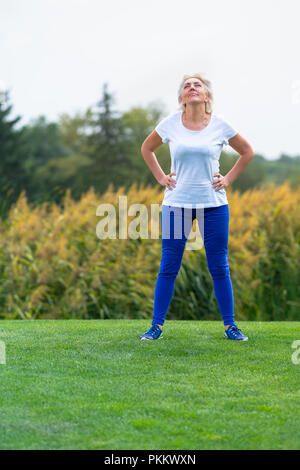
column 208, row 89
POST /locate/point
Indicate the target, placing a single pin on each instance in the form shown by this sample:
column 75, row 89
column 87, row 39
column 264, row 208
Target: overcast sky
column 56, row 55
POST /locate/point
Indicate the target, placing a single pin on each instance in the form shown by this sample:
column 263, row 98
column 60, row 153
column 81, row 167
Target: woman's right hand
column 168, row 181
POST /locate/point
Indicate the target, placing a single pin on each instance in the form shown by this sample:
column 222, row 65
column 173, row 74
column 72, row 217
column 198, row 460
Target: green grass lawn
column 92, row 384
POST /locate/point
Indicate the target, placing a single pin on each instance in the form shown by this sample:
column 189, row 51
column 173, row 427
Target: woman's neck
column 196, row 114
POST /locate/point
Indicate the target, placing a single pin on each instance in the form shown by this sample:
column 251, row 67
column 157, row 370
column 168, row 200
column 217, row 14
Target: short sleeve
column 162, row 129
column 228, row 132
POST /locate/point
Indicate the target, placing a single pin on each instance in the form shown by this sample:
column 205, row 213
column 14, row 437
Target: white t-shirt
column 195, row 158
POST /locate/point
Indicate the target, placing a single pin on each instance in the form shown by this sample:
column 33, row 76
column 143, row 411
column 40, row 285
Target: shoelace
column 152, row 330
column 235, row 330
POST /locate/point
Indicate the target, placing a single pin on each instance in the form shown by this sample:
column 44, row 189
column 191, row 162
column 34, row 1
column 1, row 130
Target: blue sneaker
column 234, row 333
column 154, row 333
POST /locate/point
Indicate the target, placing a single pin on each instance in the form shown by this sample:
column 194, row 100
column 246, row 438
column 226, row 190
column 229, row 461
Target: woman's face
column 193, row 91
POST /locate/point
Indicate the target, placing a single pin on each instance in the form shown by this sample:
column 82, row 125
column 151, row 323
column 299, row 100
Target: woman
column 196, row 136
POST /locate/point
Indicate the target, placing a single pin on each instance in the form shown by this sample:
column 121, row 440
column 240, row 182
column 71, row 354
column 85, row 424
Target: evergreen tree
column 13, row 150
column 108, row 146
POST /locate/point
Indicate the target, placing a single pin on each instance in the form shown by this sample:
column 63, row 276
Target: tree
column 44, row 143
column 75, row 129
column 108, row 145
column 13, row 151
column 139, row 123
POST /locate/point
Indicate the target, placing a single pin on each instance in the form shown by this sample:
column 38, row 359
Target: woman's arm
column 240, row 145
column 151, row 143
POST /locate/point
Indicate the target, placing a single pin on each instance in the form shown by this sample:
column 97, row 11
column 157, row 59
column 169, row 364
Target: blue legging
column 176, row 224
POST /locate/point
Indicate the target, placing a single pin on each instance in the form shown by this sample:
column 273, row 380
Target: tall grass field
column 54, row 266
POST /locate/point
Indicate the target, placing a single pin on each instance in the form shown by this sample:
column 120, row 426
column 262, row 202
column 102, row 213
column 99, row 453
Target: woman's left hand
column 220, row 182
